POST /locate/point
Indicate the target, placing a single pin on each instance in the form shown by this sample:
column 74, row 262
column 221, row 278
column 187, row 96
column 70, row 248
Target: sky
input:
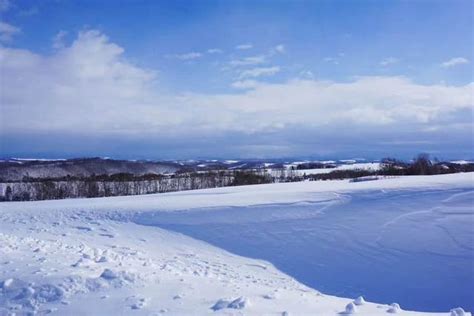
column 236, row 79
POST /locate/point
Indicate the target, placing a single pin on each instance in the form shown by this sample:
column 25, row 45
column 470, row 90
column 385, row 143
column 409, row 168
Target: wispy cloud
column 58, row 39
column 214, row 51
column 258, row 59
column 245, row 84
column 244, row 46
column 279, row 48
column 388, row 61
column 246, row 61
column 331, row 60
column 307, row 74
column 7, row 31
column 454, row 62
column 259, row 72
column 186, row 56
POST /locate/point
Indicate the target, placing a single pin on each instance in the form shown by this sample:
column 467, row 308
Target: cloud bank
column 89, row 88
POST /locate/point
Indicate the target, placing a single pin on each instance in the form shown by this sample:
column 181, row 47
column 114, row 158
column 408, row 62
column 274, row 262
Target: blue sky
column 190, row 79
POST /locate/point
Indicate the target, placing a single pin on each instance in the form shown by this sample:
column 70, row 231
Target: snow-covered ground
column 108, row 256
column 462, row 162
column 371, row 166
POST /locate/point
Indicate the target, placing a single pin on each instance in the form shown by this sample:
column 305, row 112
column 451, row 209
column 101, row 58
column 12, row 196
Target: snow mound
column 359, row 301
column 270, row 296
column 118, row 278
column 458, row 312
column 109, row 274
column 18, row 295
column 220, row 304
column 350, row 309
column 394, row 308
column 238, row 303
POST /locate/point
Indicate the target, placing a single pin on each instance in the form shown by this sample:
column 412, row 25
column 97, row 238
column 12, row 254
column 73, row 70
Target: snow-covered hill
column 17, row 169
column 107, row 256
column 370, row 166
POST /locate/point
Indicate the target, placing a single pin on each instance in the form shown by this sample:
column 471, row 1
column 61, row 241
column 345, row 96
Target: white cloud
column 7, row 31
column 307, row 74
column 186, row 56
column 214, row 51
column 279, row 49
column 88, row 87
column 245, row 84
column 389, row 61
column 58, row 39
column 259, row 59
column 244, row 46
column 258, row 72
column 331, row 60
column 454, row 62
column 247, row 61
column 369, row 101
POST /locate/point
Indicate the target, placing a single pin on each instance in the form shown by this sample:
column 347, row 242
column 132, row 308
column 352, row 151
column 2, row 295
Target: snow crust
column 57, row 255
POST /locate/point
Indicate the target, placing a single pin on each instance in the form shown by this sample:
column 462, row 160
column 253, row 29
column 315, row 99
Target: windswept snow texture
column 405, row 243
column 414, row 247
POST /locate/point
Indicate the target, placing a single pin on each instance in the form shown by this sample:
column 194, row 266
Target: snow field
column 88, row 257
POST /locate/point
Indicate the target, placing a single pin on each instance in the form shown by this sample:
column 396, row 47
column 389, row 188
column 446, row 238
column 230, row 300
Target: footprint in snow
column 107, row 235
column 136, row 303
column 84, row 228
column 269, row 296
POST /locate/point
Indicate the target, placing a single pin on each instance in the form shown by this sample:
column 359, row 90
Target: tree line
column 33, row 189
column 421, row 165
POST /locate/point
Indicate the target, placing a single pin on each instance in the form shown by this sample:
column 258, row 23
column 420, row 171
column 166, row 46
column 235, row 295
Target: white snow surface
column 462, row 162
column 370, row 166
column 88, row 256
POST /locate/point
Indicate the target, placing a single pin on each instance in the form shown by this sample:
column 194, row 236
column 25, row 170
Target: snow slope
column 105, row 256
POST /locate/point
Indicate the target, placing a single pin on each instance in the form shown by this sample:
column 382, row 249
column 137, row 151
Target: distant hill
column 17, row 169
